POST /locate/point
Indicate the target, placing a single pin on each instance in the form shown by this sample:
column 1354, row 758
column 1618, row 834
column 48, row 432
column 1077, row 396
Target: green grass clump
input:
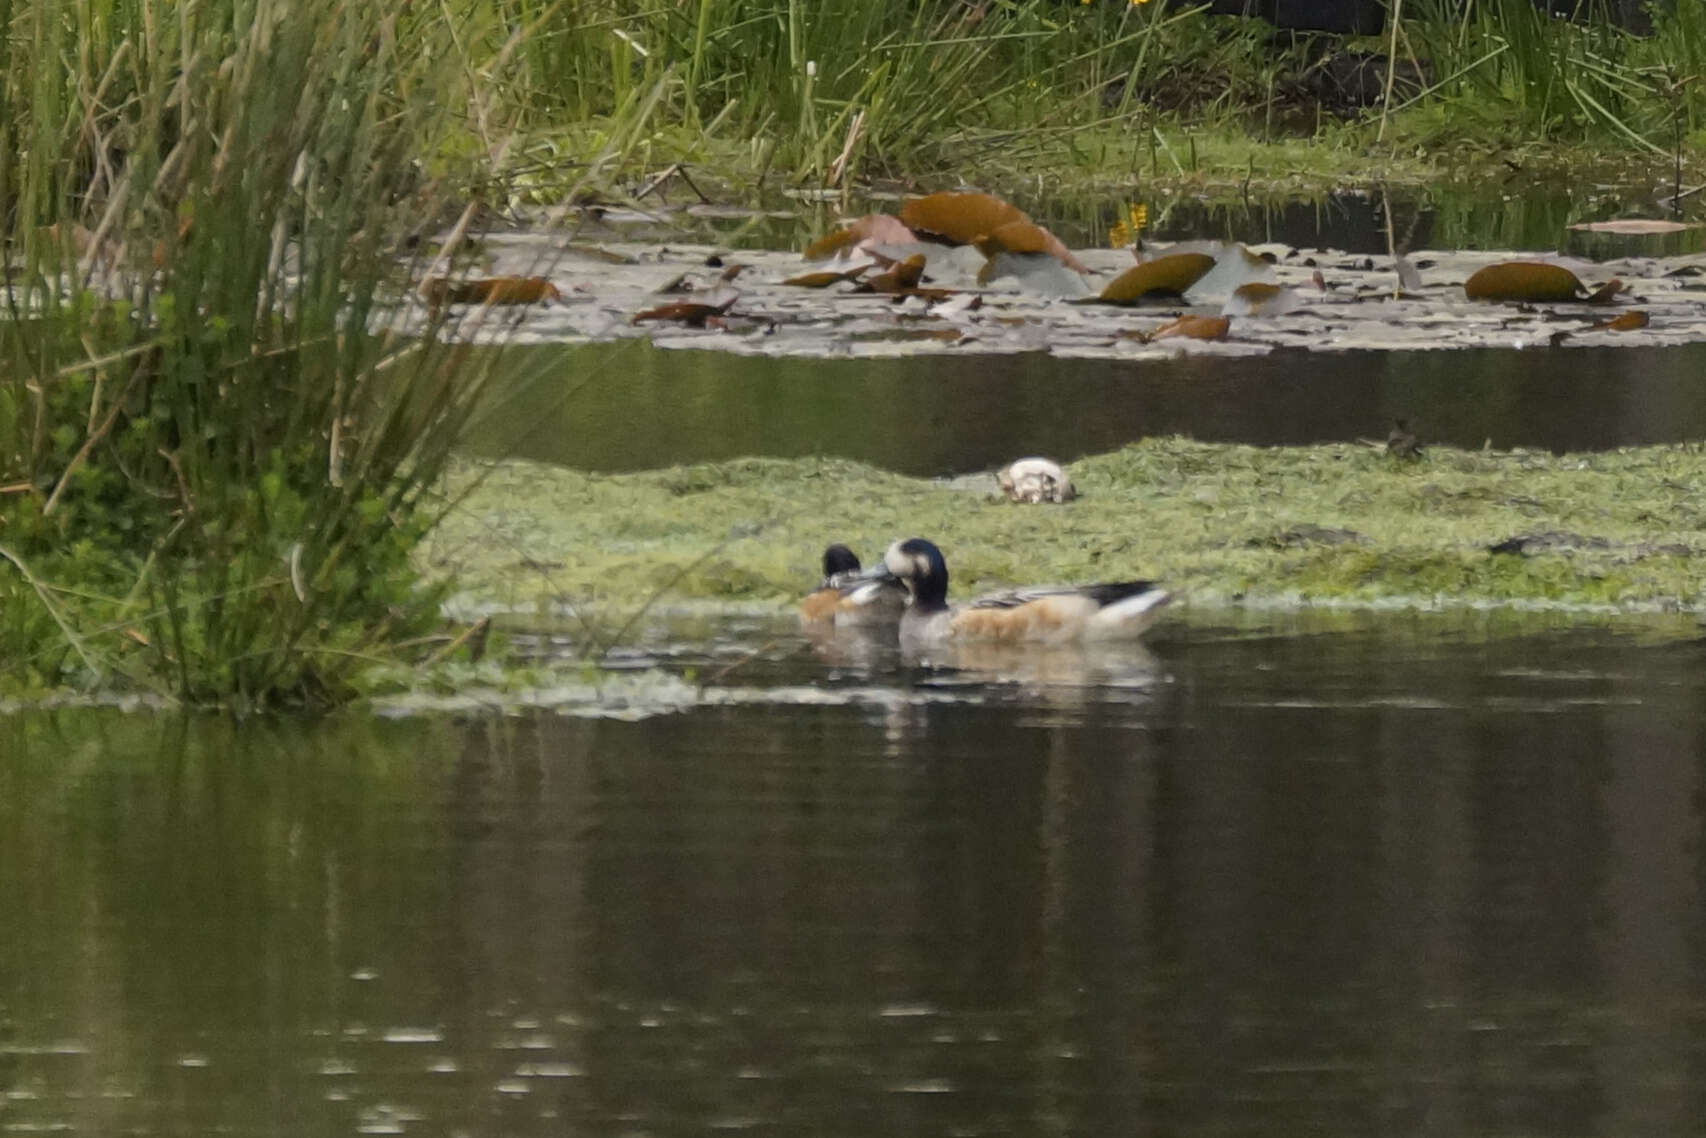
column 1342, row 524
column 214, row 453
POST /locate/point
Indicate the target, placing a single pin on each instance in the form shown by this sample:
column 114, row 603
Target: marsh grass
column 829, row 91
column 1510, row 67
column 785, row 93
column 217, row 447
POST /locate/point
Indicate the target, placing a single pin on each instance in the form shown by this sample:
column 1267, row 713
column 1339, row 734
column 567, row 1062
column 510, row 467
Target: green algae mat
column 1342, row 524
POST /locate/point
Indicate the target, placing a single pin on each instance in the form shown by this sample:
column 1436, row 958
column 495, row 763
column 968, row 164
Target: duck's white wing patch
column 1013, row 598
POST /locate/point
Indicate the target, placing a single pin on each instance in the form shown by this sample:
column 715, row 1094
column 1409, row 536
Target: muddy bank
column 1343, row 525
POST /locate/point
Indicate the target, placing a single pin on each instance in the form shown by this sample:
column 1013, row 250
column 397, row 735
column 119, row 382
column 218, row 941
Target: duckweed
column 1220, row 523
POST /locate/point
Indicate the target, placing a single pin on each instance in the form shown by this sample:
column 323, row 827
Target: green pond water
column 1303, row 874
column 1292, row 875
column 630, row 406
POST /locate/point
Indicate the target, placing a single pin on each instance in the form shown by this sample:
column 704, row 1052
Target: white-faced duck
column 846, row 597
column 1047, row 614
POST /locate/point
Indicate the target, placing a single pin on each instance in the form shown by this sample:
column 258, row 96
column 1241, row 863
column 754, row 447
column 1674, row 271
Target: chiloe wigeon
column 1049, row 614
column 847, row 598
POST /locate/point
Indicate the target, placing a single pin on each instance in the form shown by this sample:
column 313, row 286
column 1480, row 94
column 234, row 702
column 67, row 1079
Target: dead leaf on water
column 825, row 279
column 1607, row 292
column 901, row 277
column 1535, row 281
column 1164, row 276
column 1629, row 321
column 685, row 312
column 1193, row 327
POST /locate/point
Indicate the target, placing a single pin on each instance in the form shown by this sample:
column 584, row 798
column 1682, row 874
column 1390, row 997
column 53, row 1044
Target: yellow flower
column 1125, row 231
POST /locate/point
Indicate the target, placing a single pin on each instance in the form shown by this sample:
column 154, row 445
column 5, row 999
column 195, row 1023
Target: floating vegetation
column 1316, row 301
column 1199, row 516
column 1164, row 276
column 1193, row 327
column 959, row 219
column 1536, row 281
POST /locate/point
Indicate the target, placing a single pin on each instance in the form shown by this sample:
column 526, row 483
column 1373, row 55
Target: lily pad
column 1027, row 237
column 1164, row 276
column 959, row 218
column 1535, row 281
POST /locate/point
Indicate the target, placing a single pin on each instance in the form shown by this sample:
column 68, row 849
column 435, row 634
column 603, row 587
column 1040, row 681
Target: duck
column 846, row 598
column 1045, row 614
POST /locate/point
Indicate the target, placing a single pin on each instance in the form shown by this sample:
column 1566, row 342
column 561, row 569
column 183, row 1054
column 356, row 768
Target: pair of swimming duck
column 910, row 587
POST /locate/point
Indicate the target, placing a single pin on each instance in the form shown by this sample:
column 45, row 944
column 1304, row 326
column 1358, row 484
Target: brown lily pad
column 1164, row 276
column 957, row 218
column 1028, row 237
column 1535, row 281
column 1193, row 327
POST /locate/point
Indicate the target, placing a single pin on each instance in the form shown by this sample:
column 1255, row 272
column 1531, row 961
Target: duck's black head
column 839, row 559
column 920, row 564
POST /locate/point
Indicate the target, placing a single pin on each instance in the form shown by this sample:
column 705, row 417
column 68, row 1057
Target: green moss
column 1339, row 524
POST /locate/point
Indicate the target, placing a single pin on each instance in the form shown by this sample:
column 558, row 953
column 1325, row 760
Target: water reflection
column 949, row 414
column 1329, row 877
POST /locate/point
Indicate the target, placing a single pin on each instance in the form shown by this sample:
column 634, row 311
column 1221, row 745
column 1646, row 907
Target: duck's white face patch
column 898, row 563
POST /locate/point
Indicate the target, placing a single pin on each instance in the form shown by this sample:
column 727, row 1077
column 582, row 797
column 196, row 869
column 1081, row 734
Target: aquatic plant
column 217, row 455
